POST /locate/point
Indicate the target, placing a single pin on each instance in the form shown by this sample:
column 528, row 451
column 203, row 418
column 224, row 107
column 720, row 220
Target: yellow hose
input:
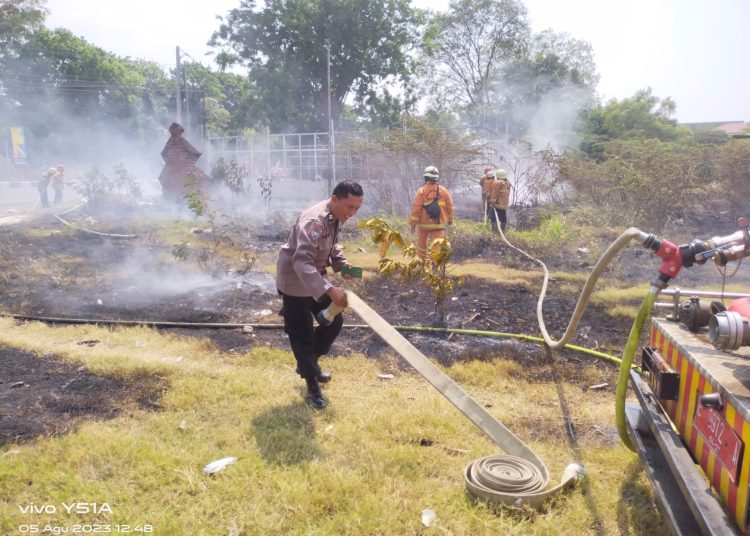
column 627, row 361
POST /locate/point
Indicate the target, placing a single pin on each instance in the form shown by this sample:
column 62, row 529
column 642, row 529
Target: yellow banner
column 18, row 145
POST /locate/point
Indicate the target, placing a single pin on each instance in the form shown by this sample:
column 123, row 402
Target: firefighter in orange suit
column 488, row 173
column 487, row 185
column 431, row 211
column 499, row 198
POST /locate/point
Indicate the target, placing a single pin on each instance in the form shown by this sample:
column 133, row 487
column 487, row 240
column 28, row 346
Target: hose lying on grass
column 518, row 478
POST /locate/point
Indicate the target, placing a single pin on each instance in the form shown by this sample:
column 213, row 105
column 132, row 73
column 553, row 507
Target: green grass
column 356, row 468
column 552, row 230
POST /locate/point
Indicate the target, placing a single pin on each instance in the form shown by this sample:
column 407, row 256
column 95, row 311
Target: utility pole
column 331, row 161
column 177, row 82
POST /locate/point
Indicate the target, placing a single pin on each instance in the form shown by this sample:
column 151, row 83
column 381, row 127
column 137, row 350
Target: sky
column 694, row 51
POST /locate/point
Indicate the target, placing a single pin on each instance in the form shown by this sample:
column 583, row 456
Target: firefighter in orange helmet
column 431, row 211
column 499, row 199
column 488, row 172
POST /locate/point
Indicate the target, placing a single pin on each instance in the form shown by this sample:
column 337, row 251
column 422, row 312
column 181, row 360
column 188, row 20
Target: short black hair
column 347, row 188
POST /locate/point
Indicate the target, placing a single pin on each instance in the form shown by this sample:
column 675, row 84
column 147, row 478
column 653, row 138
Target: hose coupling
column 326, row 316
column 652, row 242
column 729, row 330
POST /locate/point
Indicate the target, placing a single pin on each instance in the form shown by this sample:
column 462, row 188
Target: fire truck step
column 683, row 493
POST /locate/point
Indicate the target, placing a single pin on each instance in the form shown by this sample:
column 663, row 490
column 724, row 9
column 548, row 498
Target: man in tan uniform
column 300, row 279
column 431, row 211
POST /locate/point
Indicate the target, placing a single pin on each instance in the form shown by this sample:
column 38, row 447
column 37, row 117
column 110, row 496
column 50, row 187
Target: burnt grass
column 56, row 272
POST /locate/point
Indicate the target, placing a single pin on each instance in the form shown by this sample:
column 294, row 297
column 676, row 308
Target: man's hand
column 337, row 296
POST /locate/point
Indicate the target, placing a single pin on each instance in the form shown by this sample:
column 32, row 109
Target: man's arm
column 416, row 207
column 449, row 207
column 303, row 260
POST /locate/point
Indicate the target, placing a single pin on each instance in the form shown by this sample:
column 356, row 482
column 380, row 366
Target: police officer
column 300, row 279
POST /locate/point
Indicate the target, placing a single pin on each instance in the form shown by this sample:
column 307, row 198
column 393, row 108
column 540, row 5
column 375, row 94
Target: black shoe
column 314, row 396
column 323, row 376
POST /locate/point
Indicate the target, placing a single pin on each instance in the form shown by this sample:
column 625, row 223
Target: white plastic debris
column 183, row 426
column 428, row 516
column 329, row 429
column 247, row 329
column 99, row 302
column 386, row 376
column 218, row 465
column 264, row 312
column 574, row 469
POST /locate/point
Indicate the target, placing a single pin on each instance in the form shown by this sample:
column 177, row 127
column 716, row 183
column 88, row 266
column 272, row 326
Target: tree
column 483, row 61
column 283, row 45
column 467, row 47
column 546, row 86
column 229, row 100
column 642, row 116
column 76, row 99
column 19, row 19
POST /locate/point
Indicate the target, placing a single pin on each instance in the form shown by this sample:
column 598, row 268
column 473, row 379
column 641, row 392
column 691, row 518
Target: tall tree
column 283, row 44
column 467, row 46
column 19, row 19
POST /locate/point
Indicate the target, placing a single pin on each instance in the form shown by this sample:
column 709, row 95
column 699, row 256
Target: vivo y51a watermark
column 69, row 508
column 75, row 508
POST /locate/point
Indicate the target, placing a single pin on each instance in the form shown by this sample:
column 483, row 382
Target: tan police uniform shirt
column 309, row 250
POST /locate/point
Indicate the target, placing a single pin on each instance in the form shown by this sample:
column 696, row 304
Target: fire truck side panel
column 703, row 370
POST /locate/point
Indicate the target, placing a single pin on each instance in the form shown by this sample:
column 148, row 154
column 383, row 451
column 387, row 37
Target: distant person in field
column 499, row 199
column 53, row 175
column 431, row 211
column 58, row 184
column 301, row 270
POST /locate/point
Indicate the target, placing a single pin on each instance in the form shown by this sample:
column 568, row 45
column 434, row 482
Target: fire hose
column 635, row 332
column 724, row 248
column 514, row 479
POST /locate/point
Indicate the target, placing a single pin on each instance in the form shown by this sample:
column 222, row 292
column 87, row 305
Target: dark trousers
column 308, row 342
column 502, row 215
column 58, row 195
column 43, row 197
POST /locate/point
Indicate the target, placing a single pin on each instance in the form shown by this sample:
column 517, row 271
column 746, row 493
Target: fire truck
column 691, row 422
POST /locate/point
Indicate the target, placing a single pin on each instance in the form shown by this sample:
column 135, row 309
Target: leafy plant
column 100, row 189
column 229, row 173
column 432, row 271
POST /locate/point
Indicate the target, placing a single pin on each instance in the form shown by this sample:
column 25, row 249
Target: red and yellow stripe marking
column 682, row 411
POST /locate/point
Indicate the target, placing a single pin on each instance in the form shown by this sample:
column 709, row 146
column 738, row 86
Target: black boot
column 314, row 396
column 323, row 376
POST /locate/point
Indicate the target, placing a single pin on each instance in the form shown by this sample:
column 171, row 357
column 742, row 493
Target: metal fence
column 301, row 156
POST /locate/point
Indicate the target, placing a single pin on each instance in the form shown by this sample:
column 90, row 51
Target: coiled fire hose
column 515, row 479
